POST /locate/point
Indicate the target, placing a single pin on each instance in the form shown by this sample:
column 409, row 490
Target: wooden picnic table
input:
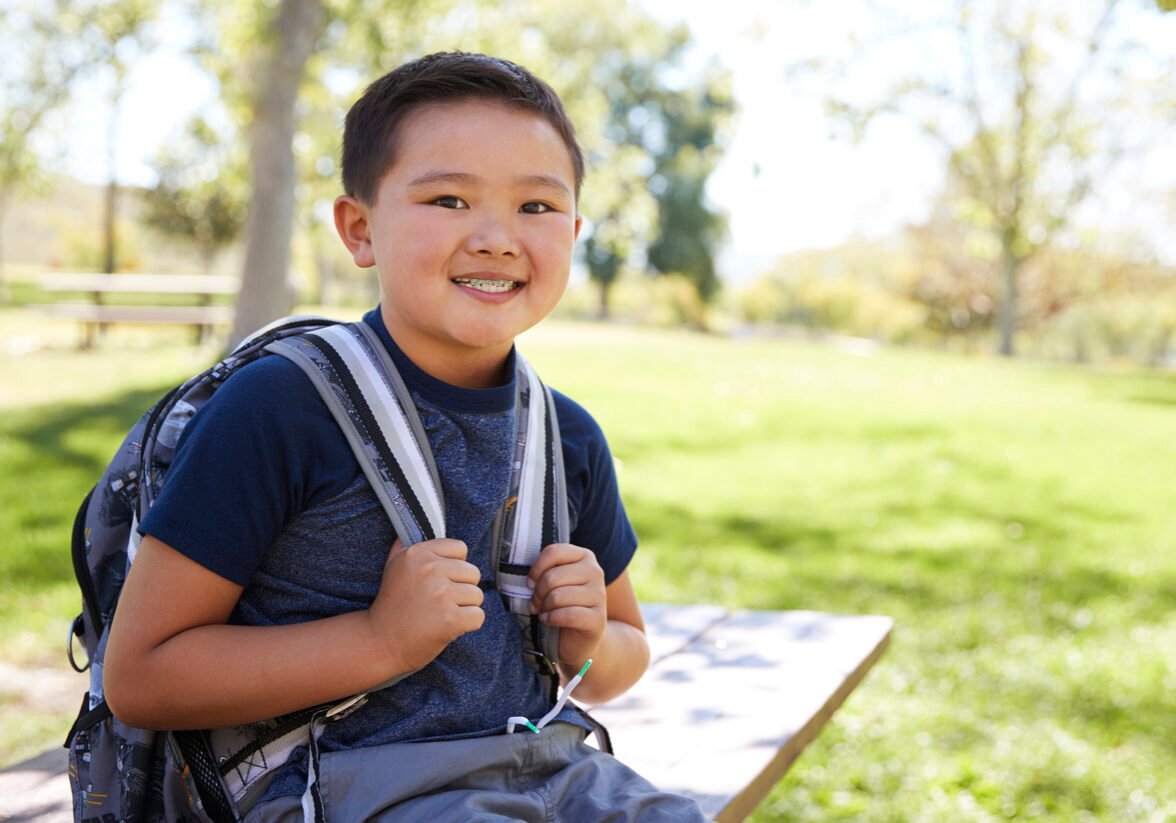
column 731, row 699
column 99, row 311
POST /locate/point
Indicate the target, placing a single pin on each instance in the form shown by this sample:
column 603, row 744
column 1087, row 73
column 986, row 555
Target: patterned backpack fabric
column 120, row 773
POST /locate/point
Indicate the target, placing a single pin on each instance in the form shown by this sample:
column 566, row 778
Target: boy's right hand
column 429, row 596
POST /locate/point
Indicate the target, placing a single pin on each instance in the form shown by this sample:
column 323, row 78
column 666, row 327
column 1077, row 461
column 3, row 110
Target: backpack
column 121, row 773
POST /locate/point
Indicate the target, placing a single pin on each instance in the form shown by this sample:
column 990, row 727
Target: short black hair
column 373, row 123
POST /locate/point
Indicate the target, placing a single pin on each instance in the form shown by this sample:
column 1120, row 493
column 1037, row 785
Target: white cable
column 511, row 722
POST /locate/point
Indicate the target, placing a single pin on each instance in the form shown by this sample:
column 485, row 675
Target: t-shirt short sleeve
column 254, row 456
column 265, row 448
column 598, row 517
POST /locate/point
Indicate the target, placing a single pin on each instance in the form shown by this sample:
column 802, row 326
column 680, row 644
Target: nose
column 493, row 236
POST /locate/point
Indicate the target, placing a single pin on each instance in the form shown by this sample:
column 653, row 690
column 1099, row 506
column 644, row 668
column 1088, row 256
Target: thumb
column 398, row 548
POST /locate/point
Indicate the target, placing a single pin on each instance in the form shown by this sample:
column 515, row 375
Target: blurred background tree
column 121, row 34
column 56, row 47
column 202, row 193
column 1032, row 105
column 1031, row 112
column 259, row 54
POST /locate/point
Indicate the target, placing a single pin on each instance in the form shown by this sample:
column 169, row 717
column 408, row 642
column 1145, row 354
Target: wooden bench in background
column 730, row 701
column 103, row 291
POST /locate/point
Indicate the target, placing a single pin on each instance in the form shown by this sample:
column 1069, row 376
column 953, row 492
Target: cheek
column 555, row 250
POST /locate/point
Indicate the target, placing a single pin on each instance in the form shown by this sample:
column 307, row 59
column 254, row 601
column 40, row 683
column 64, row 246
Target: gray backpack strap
column 368, row 399
column 536, row 511
column 359, row 383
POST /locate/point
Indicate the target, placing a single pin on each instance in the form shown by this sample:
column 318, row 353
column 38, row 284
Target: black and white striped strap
column 367, row 397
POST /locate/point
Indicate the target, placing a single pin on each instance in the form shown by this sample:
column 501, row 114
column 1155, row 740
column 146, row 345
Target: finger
column 556, row 554
column 459, row 571
column 398, row 548
column 446, row 547
column 465, row 594
column 585, row 572
column 470, row 618
column 570, row 596
column 575, row 618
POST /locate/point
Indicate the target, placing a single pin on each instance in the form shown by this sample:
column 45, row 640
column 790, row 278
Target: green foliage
column 859, row 289
column 622, row 215
column 83, row 248
column 55, row 47
column 201, row 195
column 932, row 287
column 35, row 79
column 638, row 297
column 680, row 124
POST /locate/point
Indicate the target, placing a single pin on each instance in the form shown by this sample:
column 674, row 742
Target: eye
column 449, row 201
column 535, row 207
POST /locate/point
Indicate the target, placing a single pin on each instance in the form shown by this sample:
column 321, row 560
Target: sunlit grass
column 1012, row 517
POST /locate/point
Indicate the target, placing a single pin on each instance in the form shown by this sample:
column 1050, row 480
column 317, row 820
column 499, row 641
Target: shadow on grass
column 789, row 563
column 51, row 456
column 49, row 432
column 1148, row 387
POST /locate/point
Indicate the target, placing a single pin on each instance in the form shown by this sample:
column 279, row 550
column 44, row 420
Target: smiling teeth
column 486, row 285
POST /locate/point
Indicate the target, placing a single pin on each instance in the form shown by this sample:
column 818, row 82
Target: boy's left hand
column 570, row 594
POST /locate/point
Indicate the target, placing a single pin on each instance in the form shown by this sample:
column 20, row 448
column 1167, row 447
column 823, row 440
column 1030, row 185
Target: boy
column 264, row 583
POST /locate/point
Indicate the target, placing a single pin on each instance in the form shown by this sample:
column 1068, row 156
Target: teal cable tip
column 586, row 665
column 532, row 727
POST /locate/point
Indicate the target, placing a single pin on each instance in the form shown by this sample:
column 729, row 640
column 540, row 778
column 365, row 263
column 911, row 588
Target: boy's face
column 472, row 233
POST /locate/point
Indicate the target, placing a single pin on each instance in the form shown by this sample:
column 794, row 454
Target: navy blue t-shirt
column 266, row 492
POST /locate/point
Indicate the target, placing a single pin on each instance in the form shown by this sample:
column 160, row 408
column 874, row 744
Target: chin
column 482, row 339
column 491, row 335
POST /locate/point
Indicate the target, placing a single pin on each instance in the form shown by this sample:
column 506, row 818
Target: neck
column 455, row 364
column 486, row 372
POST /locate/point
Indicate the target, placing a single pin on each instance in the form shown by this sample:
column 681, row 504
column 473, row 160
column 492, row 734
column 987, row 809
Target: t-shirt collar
column 446, row 395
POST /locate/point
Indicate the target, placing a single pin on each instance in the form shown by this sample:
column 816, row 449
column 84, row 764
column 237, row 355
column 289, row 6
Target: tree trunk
column 266, row 293
column 109, row 236
column 1008, row 305
column 110, row 207
column 325, row 269
column 604, row 310
column 4, row 296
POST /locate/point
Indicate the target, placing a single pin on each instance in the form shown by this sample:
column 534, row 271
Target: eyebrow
column 546, row 181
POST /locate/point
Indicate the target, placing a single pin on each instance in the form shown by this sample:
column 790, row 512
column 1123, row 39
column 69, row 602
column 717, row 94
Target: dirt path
column 57, row 689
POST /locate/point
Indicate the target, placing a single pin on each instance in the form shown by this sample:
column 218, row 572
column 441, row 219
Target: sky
column 785, row 182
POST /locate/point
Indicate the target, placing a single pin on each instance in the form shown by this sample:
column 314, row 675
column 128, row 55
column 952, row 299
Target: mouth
column 486, row 285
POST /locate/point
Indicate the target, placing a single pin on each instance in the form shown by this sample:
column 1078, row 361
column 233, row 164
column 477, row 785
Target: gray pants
column 550, row 777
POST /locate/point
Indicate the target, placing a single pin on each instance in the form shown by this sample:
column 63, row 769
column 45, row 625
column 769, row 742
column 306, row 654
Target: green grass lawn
column 1013, row 518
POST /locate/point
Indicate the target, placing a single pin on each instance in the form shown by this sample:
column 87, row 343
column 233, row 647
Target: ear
column 351, row 221
column 579, row 225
